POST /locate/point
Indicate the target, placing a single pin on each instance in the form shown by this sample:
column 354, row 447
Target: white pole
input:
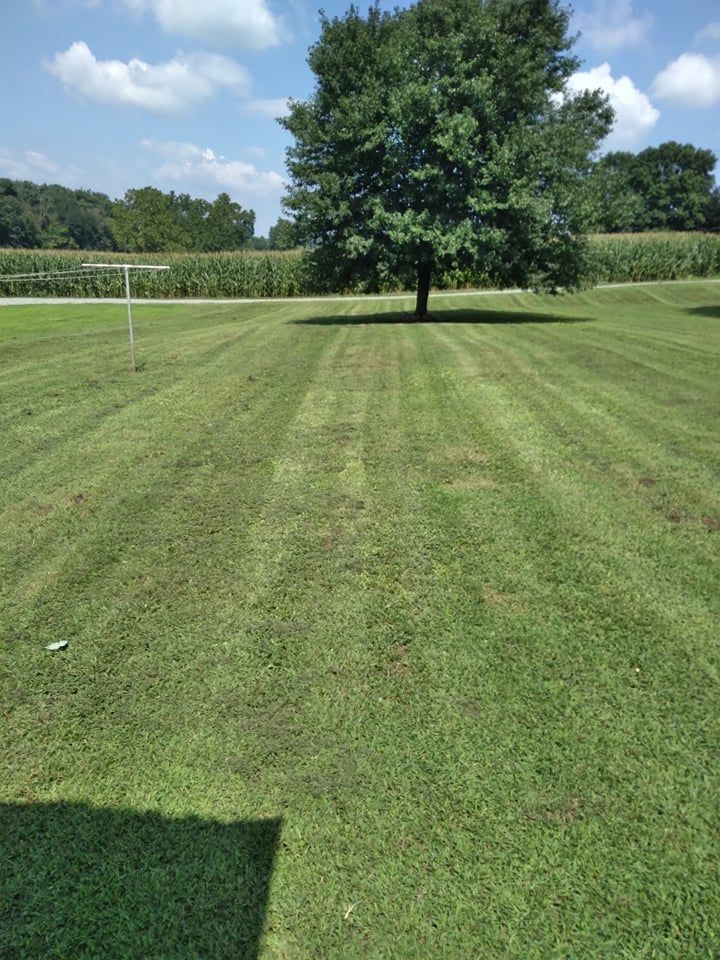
column 126, row 268
column 130, row 326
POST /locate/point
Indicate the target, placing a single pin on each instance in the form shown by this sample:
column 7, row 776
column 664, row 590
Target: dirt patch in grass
column 711, row 523
column 472, row 709
column 561, row 814
column 476, row 482
column 493, row 597
column 363, row 358
column 464, row 456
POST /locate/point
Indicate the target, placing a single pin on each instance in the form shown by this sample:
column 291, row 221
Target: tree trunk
column 424, row 272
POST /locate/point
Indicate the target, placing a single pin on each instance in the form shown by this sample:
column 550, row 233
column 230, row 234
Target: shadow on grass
column 441, row 316
column 711, row 311
column 83, row 882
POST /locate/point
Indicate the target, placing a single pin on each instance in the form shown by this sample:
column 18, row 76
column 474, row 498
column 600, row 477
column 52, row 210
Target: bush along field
column 392, row 640
column 612, row 258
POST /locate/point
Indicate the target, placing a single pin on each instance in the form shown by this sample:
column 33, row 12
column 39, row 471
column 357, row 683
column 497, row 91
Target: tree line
column 669, row 187
column 146, row 220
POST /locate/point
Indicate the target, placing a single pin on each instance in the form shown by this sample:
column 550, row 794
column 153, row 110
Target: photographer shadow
column 84, row 882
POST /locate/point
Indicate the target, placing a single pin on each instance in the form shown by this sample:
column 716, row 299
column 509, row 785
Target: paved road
column 35, row 301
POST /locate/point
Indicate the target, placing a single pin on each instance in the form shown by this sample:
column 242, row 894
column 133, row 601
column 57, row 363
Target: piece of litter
column 350, row 910
column 60, row 645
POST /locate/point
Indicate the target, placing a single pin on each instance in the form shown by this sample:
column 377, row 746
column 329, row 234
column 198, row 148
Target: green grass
column 418, row 620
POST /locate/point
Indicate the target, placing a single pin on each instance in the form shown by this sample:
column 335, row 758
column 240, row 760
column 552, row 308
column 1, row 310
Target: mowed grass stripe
column 583, row 623
column 399, row 585
column 577, row 374
column 584, row 445
column 125, row 454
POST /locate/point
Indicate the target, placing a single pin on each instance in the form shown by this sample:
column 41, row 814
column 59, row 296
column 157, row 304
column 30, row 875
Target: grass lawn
column 390, row 640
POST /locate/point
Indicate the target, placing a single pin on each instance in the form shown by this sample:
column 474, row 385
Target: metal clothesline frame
column 126, row 268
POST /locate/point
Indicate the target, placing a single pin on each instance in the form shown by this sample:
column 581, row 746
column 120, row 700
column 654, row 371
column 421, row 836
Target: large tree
column 442, row 137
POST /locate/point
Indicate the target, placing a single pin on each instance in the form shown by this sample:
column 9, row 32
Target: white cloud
column 614, row 25
column 33, row 165
column 227, row 23
column 710, row 32
column 269, row 108
column 258, row 152
column 635, row 115
column 188, row 162
column 693, row 80
column 172, row 87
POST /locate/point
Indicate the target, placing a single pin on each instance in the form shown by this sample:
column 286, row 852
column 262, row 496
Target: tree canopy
column 149, row 220
column 284, row 235
column 668, row 187
column 442, row 137
column 48, row 215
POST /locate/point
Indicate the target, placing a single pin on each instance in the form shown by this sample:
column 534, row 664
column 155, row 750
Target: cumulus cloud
column 635, row 115
column 693, row 80
column 184, row 162
column 613, row 25
column 269, row 108
column 171, row 87
column 227, row 23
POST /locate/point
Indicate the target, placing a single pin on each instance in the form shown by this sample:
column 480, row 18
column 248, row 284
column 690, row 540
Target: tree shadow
column 711, row 311
column 441, row 316
column 84, row 882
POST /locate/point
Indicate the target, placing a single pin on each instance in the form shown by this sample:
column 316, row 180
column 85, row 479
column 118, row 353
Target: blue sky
column 181, row 94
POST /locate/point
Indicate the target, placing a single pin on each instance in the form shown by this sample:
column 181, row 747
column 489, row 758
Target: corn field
column 613, row 258
column 632, row 257
column 277, row 274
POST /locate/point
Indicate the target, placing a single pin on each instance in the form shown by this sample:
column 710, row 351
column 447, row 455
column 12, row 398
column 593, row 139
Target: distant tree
column 8, row 188
column 82, row 215
column 145, row 221
column 617, row 206
column 228, row 226
column 259, row 243
column 676, row 181
column 57, row 237
column 712, row 211
column 191, row 214
column 668, row 187
column 284, row 235
column 17, row 227
column 440, row 137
